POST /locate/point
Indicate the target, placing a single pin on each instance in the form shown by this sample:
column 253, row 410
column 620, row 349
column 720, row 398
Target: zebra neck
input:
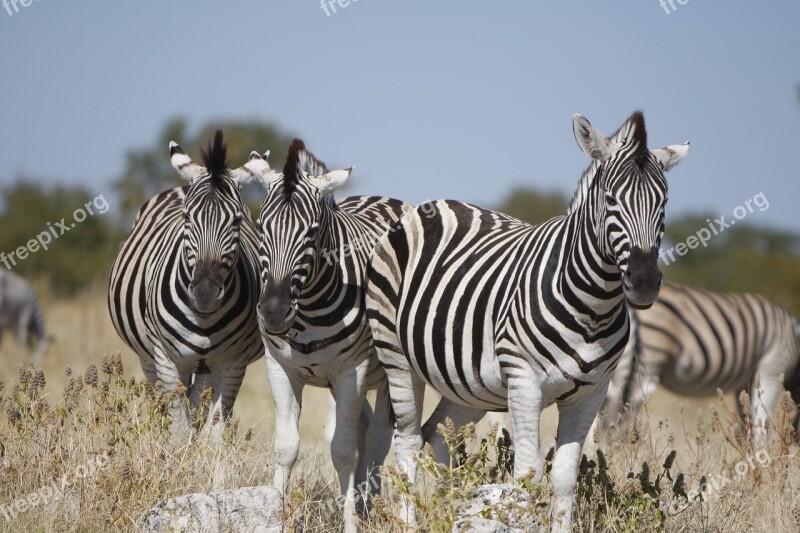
column 327, row 270
column 588, row 278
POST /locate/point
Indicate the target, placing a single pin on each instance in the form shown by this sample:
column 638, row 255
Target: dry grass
column 109, row 437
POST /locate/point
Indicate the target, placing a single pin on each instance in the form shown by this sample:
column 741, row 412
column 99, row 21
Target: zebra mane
column 298, row 161
column 631, row 132
column 215, row 159
column 638, row 136
column 587, row 178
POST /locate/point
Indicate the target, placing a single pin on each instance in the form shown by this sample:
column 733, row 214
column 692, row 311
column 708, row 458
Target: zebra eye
column 237, row 221
column 610, row 200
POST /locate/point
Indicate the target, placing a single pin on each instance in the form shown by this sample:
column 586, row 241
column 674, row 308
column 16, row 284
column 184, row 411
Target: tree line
column 744, row 258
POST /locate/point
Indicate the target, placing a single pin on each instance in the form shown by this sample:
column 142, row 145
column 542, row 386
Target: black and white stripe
column 20, row 312
column 694, row 341
column 184, row 286
column 497, row 314
column 313, row 255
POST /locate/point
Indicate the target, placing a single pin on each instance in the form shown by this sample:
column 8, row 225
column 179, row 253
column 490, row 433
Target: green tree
column 69, row 256
column 148, row 170
column 742, row 259
column 534, row 207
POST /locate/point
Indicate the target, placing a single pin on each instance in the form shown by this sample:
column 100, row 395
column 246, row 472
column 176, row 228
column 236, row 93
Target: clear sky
column 429, row 99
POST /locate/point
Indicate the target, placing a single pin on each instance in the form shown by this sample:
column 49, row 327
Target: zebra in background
column 694, row 341
column 20, row 312
column 313, row 258
column 184, row 286
column 497, row 314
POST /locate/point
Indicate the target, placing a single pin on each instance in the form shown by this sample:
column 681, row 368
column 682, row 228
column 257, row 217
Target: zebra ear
column 592, row 142
column 331, row 180
column 188, row 169
column 669, row 156
column 255, row 170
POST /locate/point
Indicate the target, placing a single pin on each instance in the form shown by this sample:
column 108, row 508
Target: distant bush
column 81, row 245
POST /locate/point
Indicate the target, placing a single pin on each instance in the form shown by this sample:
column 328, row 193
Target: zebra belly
column 490, row 395
column 455, row 353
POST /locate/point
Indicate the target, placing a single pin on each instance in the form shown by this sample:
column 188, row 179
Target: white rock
column 497, row 509
column 480, row 525
column 245, row 510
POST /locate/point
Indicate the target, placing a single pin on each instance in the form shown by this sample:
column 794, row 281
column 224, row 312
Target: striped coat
column 694, row 341
column 313, row 255
column 496, row 314
column 184, row 286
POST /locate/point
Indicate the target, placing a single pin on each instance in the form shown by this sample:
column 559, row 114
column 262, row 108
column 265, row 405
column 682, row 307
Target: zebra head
column 212, row 216
column 628, row 194
column 295, row 206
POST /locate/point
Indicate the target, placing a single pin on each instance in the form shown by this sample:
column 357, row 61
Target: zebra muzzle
column 206, row 295
column 642, row 279
column 276, row 315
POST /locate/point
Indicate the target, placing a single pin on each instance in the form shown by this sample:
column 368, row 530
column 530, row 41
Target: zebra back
column 697, row 340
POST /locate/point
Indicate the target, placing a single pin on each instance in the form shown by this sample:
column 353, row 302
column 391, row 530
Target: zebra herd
column 493, row 313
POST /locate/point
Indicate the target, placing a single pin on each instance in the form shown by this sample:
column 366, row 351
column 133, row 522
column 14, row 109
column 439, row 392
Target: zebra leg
column 287, row 394
column 460, row 415
column 225, row 384
column 200, row 382
column 407, row 391
column 379, row 438
column 170, row 376
column 37, row 335
column 525, row 404
column 575, row 416
column 360, row 478
column 762, row 400
column 350, row 390
column 23, row 319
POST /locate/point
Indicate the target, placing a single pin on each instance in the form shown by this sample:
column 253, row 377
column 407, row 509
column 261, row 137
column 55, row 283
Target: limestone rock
column 497, row 509
column 245, row 510
column 480, row 525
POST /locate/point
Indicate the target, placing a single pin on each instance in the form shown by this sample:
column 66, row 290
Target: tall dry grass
column 88, row 427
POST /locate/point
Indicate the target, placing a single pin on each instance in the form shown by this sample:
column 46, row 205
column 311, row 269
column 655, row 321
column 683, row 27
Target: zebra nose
column 206, row 295
column 277, row 314
column 642, row 279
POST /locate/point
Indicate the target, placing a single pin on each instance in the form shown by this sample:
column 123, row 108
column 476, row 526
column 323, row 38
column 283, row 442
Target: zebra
column 20, row 312
column 496, row 314
column 694, row 341
column 313, row 256
column 183, row 289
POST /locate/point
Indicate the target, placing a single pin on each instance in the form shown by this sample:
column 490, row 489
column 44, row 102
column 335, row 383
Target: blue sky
column 462, row 100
